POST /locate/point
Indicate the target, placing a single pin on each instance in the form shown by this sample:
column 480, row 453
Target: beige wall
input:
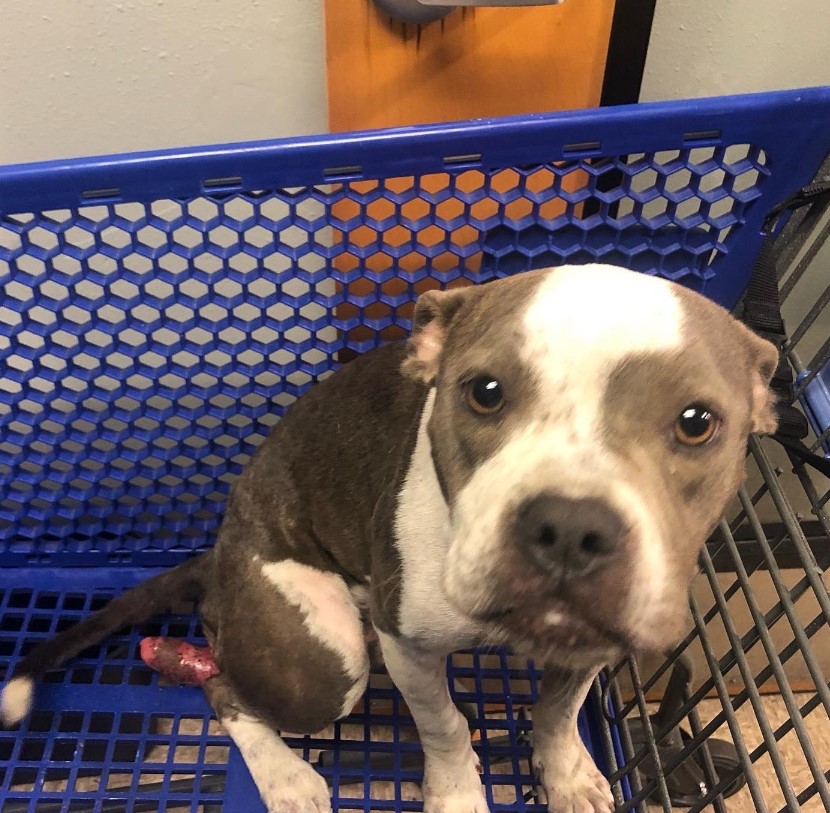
column 81, row 77
column 714, row 47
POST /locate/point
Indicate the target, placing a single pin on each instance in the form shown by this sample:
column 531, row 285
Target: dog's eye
column 484, row 395
column 695, row 425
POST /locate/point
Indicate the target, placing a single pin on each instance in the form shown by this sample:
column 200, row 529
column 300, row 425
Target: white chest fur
column 422, row 526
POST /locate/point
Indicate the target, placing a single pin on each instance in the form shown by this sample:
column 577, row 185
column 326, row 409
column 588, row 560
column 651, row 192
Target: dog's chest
column 422, row 529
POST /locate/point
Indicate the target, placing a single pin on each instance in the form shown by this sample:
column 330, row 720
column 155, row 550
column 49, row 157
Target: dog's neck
column 423, row 530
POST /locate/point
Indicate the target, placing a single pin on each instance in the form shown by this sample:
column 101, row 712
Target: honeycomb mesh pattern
column 146, row 349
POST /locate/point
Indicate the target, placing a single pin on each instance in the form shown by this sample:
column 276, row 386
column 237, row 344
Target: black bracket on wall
column 427, row 11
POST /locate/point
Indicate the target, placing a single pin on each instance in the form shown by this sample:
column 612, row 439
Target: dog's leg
column 286, row 782
column 567, row 772
column 290, row 646
column 451, row 768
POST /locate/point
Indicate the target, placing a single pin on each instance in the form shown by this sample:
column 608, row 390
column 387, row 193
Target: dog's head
column 588, row 428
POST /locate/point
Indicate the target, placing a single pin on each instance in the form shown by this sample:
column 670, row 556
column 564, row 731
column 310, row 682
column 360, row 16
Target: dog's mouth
column 556, row 622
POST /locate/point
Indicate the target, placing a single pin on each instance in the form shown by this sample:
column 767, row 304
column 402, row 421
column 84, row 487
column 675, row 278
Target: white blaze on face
column 581, row 323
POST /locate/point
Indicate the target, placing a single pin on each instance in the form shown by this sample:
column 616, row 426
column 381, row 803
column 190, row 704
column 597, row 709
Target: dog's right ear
column 763, row 361
column 434, row 311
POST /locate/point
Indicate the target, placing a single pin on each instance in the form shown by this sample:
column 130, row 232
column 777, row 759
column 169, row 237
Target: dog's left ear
column 434, row 311
column 763, row 361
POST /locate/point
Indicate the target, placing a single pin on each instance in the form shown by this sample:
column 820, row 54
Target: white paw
column 300, row 790
column 449, row 788
column 286, row 783
column 572, row 782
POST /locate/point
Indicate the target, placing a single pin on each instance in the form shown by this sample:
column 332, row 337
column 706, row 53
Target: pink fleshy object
column 179, row 661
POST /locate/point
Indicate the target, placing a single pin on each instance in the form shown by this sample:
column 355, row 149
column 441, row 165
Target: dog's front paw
column 469, row 800
column 449, row 788
column 572, row 781
column 300, row 790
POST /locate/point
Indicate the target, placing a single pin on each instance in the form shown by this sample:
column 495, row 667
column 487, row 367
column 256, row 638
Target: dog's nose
column 572, row 535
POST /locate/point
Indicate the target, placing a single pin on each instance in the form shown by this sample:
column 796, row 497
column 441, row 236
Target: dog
column 538, row 465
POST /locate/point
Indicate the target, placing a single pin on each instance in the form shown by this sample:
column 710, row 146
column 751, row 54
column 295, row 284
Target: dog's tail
column 187, row 582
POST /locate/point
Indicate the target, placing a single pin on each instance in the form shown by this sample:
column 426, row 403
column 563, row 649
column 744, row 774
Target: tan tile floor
column 817, row 724
column 818, row 729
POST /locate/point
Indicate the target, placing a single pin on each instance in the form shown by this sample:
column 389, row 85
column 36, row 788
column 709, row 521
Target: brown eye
column 484, row 395
column 695, row 425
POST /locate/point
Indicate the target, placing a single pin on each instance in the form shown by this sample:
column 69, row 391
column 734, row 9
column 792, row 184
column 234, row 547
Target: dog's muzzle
column 554, row 552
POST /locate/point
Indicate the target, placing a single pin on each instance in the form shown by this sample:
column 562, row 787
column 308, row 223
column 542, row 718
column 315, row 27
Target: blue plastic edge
column 501, row 142
column 762, row 119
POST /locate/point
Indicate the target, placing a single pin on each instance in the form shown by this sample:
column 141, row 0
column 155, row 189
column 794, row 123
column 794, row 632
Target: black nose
column 574, row 536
